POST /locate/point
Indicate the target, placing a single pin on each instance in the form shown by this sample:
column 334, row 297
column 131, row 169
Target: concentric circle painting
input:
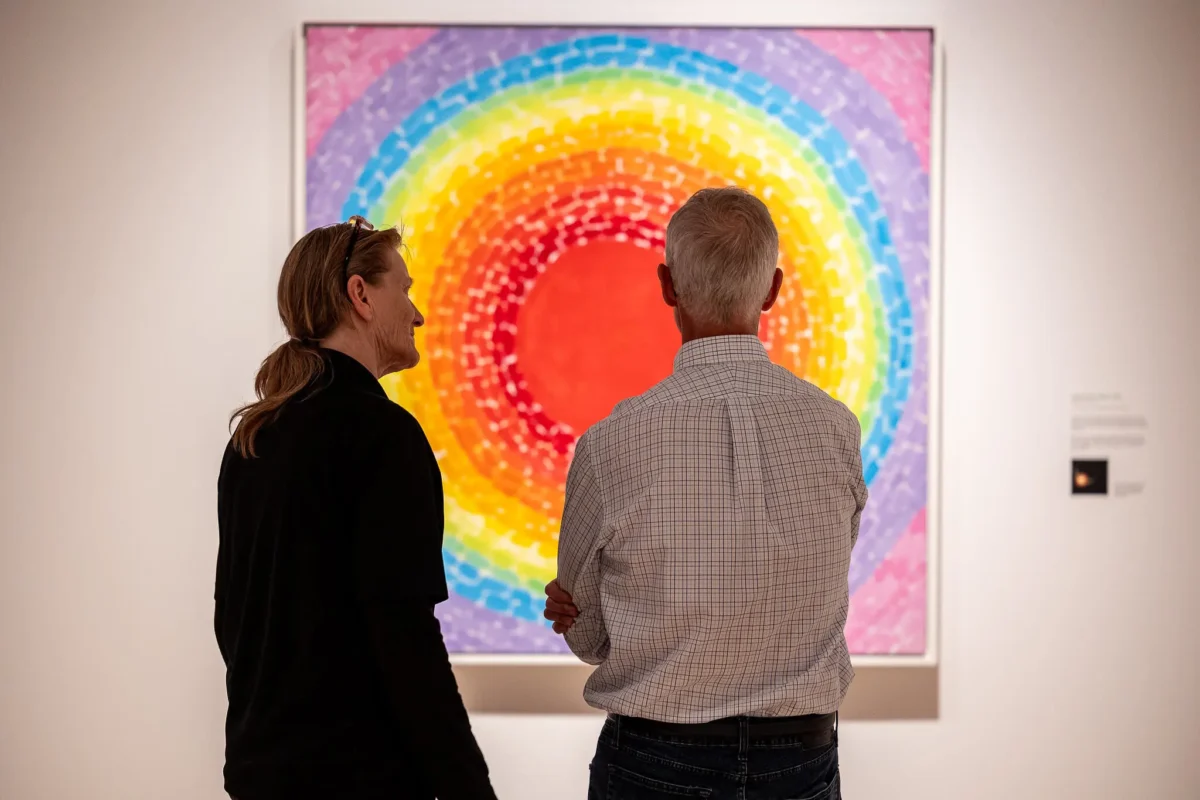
column 533, row 172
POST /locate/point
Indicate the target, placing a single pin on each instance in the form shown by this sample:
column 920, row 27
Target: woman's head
column 348, row 285
column 343, row 286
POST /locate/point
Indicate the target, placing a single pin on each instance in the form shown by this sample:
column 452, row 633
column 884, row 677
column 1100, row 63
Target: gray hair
column 722, row 251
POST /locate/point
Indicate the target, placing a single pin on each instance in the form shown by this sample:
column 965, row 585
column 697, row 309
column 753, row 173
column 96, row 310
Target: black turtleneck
column 328, row 572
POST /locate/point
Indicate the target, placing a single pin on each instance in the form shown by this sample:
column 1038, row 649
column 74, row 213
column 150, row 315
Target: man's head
column 721, row 268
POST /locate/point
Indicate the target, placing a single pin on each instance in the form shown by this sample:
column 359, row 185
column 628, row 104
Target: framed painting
column 533, row 171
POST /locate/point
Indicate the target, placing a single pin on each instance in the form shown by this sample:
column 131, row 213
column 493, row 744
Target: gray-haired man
column 706, row 539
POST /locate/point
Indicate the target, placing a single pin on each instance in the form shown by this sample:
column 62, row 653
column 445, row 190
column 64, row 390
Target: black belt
column 818, row 727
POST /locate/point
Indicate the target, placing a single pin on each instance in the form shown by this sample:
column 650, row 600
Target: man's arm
column 398, row 543
column 858, row 486
column 580, row 542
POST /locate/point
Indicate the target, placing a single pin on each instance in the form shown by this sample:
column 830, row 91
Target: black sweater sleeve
column 398, row 543
column 425, row 696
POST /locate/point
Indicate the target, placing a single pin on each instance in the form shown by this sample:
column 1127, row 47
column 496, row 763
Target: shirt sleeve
column 400, row 578
column 858, row 486
column 580, row 543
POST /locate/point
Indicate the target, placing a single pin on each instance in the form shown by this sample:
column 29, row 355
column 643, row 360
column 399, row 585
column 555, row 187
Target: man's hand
column 560, row 608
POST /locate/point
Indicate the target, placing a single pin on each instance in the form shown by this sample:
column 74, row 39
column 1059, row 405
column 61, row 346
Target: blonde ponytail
column 285, row 373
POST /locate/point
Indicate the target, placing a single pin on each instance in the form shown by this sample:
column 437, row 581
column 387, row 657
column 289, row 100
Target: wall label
column 1108, row 445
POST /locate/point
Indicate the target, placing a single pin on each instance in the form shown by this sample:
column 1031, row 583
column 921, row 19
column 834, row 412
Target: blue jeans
column 634, row 764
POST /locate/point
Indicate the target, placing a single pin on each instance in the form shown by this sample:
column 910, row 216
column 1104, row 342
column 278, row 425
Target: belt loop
column 617, row 731
column 835, row 727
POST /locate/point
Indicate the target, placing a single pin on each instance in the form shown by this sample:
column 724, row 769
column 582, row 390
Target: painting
column 533, row 171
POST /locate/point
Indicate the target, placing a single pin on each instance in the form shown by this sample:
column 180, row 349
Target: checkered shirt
column 706, row 540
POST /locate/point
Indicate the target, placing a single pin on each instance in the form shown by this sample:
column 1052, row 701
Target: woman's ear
column 360, row 301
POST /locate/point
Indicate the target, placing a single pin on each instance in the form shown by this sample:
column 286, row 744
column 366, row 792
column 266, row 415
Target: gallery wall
column 145, row 167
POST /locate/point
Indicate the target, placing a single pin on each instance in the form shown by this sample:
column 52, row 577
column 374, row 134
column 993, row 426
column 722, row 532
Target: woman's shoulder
column 383, row 418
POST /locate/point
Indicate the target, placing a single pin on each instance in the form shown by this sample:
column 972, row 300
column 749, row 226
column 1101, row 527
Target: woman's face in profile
column 397, row 318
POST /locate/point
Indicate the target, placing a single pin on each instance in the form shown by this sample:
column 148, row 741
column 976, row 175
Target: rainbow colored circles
column 534, row 171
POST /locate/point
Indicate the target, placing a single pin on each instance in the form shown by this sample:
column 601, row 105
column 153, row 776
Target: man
column 706, row 539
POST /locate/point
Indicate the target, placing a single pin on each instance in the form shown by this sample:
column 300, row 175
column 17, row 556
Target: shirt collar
column 720, row 350
column 346, row 371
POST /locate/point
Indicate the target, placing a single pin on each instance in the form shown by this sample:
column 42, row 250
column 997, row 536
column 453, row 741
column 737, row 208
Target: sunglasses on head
column 360, row 223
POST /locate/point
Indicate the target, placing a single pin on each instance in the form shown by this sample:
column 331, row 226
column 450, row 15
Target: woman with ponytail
column 329, row 564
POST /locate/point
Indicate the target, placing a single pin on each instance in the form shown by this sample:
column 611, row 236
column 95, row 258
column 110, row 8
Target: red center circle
column 593, row 330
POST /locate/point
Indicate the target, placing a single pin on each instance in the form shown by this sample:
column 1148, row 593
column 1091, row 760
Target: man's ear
column 668, row 286
column 773, row 295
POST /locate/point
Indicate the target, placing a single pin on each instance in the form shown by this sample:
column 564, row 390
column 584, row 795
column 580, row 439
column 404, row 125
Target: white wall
column 144, row 190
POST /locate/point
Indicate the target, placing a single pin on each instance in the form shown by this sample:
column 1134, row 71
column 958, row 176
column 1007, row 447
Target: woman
column 329, row 567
